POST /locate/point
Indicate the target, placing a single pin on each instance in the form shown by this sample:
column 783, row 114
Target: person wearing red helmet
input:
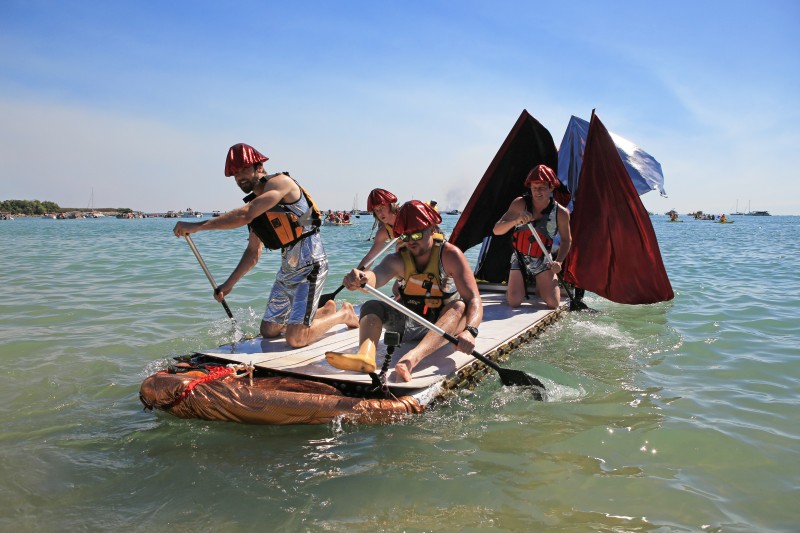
column 549, row 218
column 435, row 281
column 383, row 206
column 281, row 216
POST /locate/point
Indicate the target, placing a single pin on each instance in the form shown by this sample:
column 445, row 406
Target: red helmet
column 542, row 173
column 415, row 216
column 241, row 156
column 379, row 197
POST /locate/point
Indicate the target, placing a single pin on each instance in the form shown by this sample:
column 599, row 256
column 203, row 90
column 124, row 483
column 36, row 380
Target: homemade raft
column 263, row 381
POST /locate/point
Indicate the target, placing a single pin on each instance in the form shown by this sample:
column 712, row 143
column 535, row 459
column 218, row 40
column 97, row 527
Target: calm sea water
column 685, row 418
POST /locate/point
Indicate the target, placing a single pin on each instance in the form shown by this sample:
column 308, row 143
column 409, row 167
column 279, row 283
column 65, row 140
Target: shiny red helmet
column 379, row 197
column 415, row 216
column 241, row 156
column 542, row 173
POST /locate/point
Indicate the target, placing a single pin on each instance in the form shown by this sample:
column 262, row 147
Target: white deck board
column 500, row 324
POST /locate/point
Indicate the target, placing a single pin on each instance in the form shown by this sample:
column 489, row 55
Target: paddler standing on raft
column 281, row 215
column 549, row 218
column 435, row 281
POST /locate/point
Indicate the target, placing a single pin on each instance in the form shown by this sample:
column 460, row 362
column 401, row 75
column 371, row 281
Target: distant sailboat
column 92, row 213
column 756, row 213
column 737, row 212
column 355, row 211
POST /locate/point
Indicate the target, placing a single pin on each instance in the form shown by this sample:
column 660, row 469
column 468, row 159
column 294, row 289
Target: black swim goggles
column 417, row 235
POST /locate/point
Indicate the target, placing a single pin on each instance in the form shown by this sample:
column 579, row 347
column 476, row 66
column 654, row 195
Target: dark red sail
column 614, row 250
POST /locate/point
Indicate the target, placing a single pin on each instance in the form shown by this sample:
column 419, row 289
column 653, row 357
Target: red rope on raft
column 213, row 373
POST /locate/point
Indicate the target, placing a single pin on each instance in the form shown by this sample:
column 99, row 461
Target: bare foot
column 328, row 308
column 350, row 316
column 403, row 370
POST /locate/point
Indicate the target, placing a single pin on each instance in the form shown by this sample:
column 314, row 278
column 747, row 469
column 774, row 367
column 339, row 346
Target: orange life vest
column 423, row 292
column 278, row 227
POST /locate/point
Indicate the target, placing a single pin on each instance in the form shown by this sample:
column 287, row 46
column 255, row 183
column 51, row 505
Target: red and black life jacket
column 546, row 227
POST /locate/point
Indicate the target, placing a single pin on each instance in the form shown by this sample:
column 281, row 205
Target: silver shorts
column 296, row 292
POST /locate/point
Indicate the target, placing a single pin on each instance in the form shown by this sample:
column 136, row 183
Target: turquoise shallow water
column 681, row 416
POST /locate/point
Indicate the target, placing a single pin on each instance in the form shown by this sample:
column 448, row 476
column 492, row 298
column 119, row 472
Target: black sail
column 527, row 145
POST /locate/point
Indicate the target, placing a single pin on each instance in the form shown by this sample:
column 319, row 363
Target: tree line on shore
column 35, row 207
column 28, row 207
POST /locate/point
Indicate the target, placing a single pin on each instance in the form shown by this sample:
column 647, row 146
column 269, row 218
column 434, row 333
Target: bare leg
column 451, row 320
column 370, row 327
column 516, row 288
column 300, row 335
column 547, row 287
column 270, row 330
column 328, row 308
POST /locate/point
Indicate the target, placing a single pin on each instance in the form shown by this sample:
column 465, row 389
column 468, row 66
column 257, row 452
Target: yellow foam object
column 363, row 361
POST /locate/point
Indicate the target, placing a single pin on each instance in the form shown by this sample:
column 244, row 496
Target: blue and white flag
column 644, row 170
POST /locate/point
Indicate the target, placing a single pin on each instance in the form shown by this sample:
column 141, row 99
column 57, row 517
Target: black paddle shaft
column 225, row 305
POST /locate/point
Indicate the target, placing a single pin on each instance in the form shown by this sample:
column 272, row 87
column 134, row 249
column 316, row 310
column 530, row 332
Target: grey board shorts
column 533, row 265
column 394, row 320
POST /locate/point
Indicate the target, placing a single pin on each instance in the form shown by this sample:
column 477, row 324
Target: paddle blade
column 511, row 377
column 325, row 298
column 577, row 305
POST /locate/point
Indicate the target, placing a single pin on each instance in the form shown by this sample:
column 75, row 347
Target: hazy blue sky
column 139, row 101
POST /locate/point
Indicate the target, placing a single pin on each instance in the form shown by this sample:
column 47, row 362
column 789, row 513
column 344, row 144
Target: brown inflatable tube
column 272, row 400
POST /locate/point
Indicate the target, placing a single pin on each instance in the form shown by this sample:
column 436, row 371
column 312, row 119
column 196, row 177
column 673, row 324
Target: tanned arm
column 515, row 216
column 564, row 232
column 275, row 190
column 249, row 259
column 390, row 267
column 456, row 266
column 380, row 241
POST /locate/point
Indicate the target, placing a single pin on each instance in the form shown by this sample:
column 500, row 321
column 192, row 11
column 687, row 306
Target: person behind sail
column 383, row 206
column 435, row 281
column 723, row 218
column 281, row 215
column 549, row 218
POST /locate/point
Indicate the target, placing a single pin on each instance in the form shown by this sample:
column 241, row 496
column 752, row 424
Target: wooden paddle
column 574, row 305
column 210, row 277
column 325, row 298
column 507, row 376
